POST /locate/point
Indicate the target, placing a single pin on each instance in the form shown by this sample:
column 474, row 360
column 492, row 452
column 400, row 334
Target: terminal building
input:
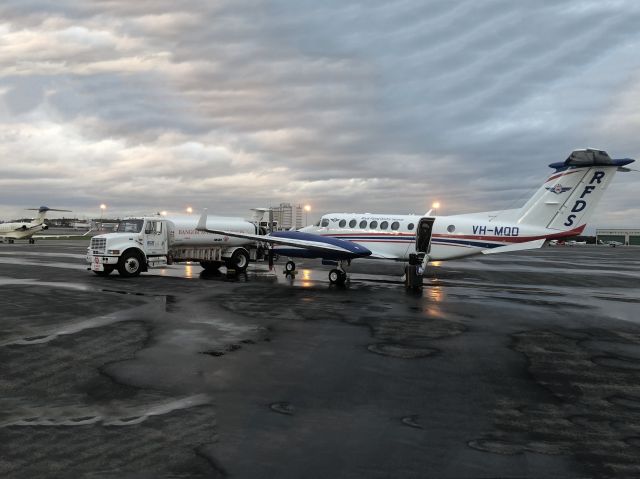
column 626, row 236
column 287, row 216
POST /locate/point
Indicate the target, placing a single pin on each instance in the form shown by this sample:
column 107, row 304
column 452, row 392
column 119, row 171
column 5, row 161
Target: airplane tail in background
column 569, row 196
column 42, row 212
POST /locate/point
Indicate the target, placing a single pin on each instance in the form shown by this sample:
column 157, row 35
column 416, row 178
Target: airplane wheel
column 10, row 241
column 130, row 265
column 289, row 266
column 337, row 277
column 31, row 241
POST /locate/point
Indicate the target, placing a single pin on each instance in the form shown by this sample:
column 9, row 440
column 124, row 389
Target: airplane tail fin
column 42, row 212
column 569, row 196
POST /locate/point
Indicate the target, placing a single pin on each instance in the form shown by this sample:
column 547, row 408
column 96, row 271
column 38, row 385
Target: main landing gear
column 337, row 275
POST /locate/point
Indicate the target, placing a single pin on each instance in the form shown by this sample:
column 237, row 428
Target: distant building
column 287, row 216
column 625, row 236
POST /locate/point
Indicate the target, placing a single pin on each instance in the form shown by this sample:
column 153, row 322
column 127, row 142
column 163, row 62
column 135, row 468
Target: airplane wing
column 36, row 236
column 297, row 239
column 535, row 244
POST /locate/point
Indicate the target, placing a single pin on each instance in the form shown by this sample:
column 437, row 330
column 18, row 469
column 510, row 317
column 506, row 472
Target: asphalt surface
column 515, row 365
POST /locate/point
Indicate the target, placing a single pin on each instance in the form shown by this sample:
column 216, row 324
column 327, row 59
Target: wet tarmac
column 515, row 365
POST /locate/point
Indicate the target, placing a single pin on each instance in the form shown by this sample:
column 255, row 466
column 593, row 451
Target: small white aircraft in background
column 560, row 208
column 576, row 243
column 614, row 243
column 25, row 230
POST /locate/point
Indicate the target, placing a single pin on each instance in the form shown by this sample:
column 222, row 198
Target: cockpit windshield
column 130, row 226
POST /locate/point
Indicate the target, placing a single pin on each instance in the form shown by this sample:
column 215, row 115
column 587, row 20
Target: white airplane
column 614, row 243
column 25, row 230
column 559, row 208
column 576, row 243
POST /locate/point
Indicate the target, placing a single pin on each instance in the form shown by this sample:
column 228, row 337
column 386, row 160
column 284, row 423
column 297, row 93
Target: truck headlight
column 113, row 251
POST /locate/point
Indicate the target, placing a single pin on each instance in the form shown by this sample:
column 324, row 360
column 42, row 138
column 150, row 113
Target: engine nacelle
column 45, row 227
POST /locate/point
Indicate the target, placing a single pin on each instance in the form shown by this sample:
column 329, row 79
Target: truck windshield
column 130, row 226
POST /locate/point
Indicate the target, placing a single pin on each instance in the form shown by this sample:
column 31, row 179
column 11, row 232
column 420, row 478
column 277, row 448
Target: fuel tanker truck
column 140, row 243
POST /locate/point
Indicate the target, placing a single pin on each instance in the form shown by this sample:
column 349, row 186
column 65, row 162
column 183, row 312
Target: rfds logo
column 581, row 203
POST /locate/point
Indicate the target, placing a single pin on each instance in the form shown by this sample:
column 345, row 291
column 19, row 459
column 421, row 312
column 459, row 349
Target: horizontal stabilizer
column 44, row 209
column 516, row 247
column 590, row 157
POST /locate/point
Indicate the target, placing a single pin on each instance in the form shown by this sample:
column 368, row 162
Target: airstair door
column 423, row 235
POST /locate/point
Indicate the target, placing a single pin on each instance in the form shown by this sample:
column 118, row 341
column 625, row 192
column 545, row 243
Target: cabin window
column 410, row 226
column 352, row 224
column 395, row 225
column 373, row 225
column 384, row 225
column 325, row 222
column 451, row 228
column 342, row 223
column 363, row 224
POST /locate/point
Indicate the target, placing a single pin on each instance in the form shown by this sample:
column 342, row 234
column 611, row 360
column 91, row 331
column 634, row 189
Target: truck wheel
column 210, row 265
column 239, row 261
column 130, row 264
column 107, row 271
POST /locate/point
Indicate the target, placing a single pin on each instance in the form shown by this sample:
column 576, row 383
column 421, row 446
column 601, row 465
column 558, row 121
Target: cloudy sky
column 377, row 106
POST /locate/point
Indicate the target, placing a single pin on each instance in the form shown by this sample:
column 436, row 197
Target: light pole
column 307, row 208
column 435, row 206
column 102, row 208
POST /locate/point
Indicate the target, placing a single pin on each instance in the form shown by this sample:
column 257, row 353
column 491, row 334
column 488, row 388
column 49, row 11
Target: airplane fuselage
column 20, row 230
column 394, row 236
